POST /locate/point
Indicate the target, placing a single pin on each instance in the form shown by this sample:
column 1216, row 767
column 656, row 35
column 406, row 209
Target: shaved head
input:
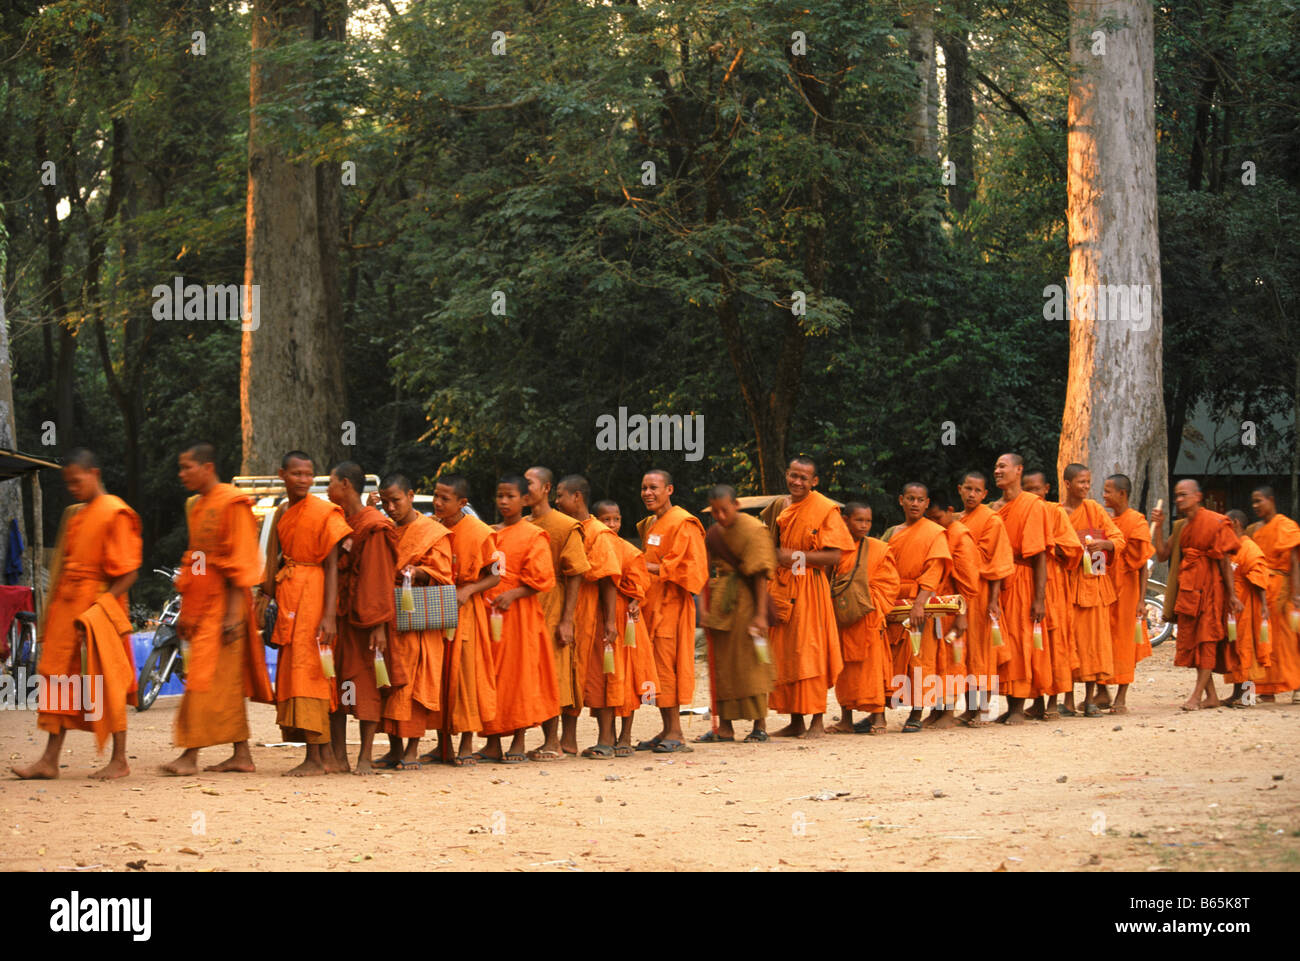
column 457, row 482
column 722, row 492
column 1121, row 482
column 1073, row 470
column 202, row 453
column 82, row 457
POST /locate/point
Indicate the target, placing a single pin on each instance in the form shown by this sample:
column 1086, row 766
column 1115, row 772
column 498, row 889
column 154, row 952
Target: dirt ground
column 1155, row 790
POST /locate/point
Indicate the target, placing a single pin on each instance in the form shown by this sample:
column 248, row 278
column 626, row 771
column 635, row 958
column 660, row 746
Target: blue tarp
column 142, row 644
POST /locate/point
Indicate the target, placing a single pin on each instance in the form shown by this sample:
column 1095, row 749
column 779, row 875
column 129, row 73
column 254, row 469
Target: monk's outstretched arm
column 1142, row 591
column 487, row 581
column 564, row 630
column 328, row 625
column 1225, row 571
column 1039, row 608
column 759, row 621
column 1163, row 547
column 995, row 598
column 609, row 602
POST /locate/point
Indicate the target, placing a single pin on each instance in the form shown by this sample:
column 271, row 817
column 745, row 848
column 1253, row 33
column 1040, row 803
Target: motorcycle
column 167, row 659
column 1157, row 630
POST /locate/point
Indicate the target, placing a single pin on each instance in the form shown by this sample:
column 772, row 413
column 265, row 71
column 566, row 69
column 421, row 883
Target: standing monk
column 1023, row 597
column 1054, row 664
column 366, row 614
column 226, row 661
column 96, row 558
column 672, row 540
column 424, row 553
column 1279, row 538
column 1200, row 595
column 1128, row 574
column 996, row 565
column 863, row 645
column 559, row 605
column 920, row 551
column 1245, row 660
column 963, row 579
column 1092, row 592
column 740, row 547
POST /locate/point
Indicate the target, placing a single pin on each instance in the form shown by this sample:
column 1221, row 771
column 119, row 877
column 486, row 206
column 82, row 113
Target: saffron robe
column 600, row 689
column 1241, row 661
column 675, row 542
column 367, row 572
column 1199, row 601
column 1125, row 573
column 633, row 584
column 1277, row 539
column 568, row 559
column 469, row 686
column 963, row 579
column 1027, row 524
column 923, row 559
column 1053, row 666
column 1093, row 595
column 996, row 564
column 863, row 644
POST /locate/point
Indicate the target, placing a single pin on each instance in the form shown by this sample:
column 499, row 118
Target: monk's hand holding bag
column 851, row 597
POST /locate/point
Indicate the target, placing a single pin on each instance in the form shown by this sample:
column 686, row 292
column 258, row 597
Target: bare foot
column 815, row 729
column 232, row 764
column 1119, row 709
column 42, row 770
column 839, row 727
column 307, row 769
column 1016, row 717
column 111, row 770
column 1191, row 705
column 967, row 716
column 790, row 730
column 177, row 768
column 363, row 767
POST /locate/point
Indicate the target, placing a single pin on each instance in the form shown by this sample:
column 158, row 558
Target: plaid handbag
column 435, row 608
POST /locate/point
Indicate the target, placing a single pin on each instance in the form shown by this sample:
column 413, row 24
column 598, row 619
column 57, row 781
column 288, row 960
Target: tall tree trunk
column 961, row 118
column 1114, row 418
column 292, row 391
column 925, row 110
column 57, row 310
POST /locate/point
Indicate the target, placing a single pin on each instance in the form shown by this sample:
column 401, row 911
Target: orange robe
column 675, row 542
column 527, row 692
column 218, row 676
column 367, row 572
column 1200, row 604
column 867, row 664
column 921, row 554
column 98, row 543
column 1125, row 573
column 469, row 686
column 1053, row 666
column 307, row 532
column 740, row 682
column 1277, row 539
column 568, row 559
column 600, row 688
column 1093, row 595
column 408, row 711
column 1241, row 660
column 633, row 583
column 963, row 579
column 996, row 564
column 1028, row 530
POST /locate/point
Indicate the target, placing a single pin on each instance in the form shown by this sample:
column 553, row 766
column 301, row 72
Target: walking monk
column 1023, row 597
column 963, row 579
column 1279, row 538
column 1246, row 659
column 1092, row 592
column 1200, row 593
column 996, row 565
column 605, row 659
column 527, row 693
column 1128, row 575
column 672, row 540
column 226, row 661
column 96, row 559
column 1055, row 662
column 920, row 551
column 867, row 664
column 559, row 605
column 302, row 578
column 740, row 662
column 469, row 688
column 366, row 614
column 424, row 552
column 633, row 583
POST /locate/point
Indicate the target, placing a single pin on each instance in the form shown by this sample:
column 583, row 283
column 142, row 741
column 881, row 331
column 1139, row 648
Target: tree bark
column 925, row 111
column 961, row 119
column 292, row 390
column 1114, row 419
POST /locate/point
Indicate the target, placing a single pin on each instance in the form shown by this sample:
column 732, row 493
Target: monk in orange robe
column 1128, row 574
column 599, row 637
column 633, row 584
column 1201, row 596
column 225, row 661
column 1245, row 660
column 1092, row 592
column 963, row 580
column 559, row 606
column 1023, row 599
column 863, row 645
column 672, row 540
column 366, row 616
column 302, row 578
column 527, row 690
column 1055, row 663
column 97, row 557
column 1279, row 538
column 469, row 690
column 920, row 551
column 424, row 554
column 996, row 565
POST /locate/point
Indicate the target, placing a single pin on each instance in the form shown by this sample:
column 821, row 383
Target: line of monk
column 1023, row 598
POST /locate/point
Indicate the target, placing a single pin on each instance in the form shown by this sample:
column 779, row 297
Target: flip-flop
column 649, row 745
column 912, row 727
column 602, row 752
column 433, row 757
column 408, row 766
column 862, row 726
column 486, row 758
column 537, row 754
column 513, row 759
column 1091, row 710
column 712, row 737
column 467, row 760
column 1065, row 712
column 757, row 737
column 624, row 750
column 672, row 746
column 383, row 764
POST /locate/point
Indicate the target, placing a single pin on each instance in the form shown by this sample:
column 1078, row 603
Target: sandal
column 649, row 745
column 463, row 760
column 624, row 750
column 1065, row 712
column 712, row 737
column 601, row 752
column 672, row 746
column 383, row 764
column 512, row 759
column 757, row 737
column 480, row 756
column 1091, row 710
column 912, row 727
column 537, row 754
column 408, row 766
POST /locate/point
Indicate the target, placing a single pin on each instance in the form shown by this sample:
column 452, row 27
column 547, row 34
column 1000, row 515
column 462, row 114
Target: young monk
column 740, row 549
column 559, row 605
column 1128, row 574
column 863, row 645
column 97, row 557
column 1279, row 538
column 1092, row 595
column 963, row 579
column 672, row 540
column 1245, row 660
column 1023, row 597
column 527, row 691
column 634, row 581
column 226, row 660
column 469, row 692
column 605, row 659
column 1200, row 596
column 920, row 551
column 366, row 615
column 996, row 565
column 1054, row 663
column 302, row 578
column 424, row 552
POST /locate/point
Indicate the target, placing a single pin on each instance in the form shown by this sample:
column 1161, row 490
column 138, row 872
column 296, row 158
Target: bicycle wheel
column 1157, row 629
